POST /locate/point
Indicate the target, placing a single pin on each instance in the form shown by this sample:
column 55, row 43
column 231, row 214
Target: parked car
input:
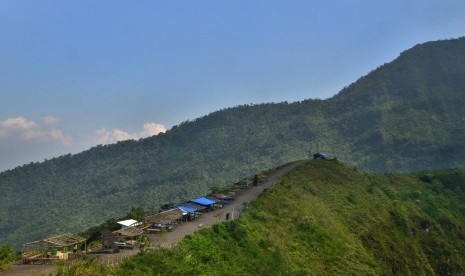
column 123, row 245
column 162, row 226
column 319, row 155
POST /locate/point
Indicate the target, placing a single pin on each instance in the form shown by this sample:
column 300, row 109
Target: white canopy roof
column 128, row 222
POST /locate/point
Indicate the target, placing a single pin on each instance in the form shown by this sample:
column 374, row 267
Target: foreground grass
column 325, row 218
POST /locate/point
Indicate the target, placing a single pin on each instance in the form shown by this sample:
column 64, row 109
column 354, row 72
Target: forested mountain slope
column 405, row 115
column 325, row 218
column 408, row 114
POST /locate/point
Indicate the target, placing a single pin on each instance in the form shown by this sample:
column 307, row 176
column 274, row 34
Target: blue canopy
column 187, row 208
column 204, row 201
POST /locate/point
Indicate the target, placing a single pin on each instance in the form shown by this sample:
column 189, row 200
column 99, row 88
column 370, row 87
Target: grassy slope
column 406, row 115
column 327, row 218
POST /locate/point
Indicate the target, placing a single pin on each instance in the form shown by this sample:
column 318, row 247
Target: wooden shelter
column 128, row 232
column 165, row 217
column 126, row 237
column 164, row 220
column 62, row 246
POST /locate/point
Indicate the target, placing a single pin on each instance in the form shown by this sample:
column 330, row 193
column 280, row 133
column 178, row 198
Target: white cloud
column 104, row 136
column 27, row 130
column 18, row 123
column 58, row 135
column 151, row 129
column 50, row 120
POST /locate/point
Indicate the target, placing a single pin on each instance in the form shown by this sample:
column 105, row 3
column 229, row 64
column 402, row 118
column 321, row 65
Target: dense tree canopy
column 405, row 115
column 325, row 218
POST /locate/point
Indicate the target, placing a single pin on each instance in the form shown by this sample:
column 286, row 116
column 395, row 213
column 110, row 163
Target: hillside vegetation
column 405, row 115
column 325, row 218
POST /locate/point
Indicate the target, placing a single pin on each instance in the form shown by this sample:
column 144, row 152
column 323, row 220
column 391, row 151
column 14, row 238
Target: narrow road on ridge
column 244, row 196
column 169, row 239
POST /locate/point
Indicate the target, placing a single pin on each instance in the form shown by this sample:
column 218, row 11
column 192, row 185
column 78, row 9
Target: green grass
column 325, row 218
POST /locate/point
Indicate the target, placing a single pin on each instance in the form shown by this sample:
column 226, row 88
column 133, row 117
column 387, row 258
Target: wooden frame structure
column 47, row 249
column 165, row 220
column 128, row 232
column 166, row 217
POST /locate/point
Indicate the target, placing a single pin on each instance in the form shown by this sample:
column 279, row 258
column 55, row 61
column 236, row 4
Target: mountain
column 405, row 115
column 325, row 218
column 408, row 114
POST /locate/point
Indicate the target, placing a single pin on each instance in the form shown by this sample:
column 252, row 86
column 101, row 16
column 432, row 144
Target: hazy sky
column 74, row 74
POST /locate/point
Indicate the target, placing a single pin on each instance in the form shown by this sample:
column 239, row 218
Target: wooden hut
column 126, row 237
column 64, row 246
column 164, row 220
column 128, row 232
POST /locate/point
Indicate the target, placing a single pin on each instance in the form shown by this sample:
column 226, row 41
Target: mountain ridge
column 406, row 115
column 324, row 217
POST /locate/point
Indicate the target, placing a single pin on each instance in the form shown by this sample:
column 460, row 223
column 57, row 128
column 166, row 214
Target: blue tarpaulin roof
column 187, row 208
column 203, row 201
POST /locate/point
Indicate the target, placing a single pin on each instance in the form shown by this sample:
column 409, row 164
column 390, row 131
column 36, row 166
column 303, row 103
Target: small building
column 191, row 208
column 204, row 201
column 223, row 199
column 64, row 246
column 191, row 211
column 319, row 155
column 171, row 216
column 164, row 220
column 126, row 237
column 129, row 223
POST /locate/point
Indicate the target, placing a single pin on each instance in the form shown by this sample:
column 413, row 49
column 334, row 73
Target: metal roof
column 169, row 215
column 188, row 208
column 205, row 201
column 131, row 231
column 67, row 239
column 128, row 222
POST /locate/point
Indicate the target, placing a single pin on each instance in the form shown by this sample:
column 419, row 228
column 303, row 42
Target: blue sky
column 74, row 74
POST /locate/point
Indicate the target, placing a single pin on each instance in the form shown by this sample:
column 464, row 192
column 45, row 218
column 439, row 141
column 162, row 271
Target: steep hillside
column 405, row 115
column 325, row 218
column 408, row 114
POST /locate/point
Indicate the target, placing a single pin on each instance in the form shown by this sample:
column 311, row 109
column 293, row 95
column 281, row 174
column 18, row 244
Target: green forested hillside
column 405, row 115
column 408, row 114
column 325, row 218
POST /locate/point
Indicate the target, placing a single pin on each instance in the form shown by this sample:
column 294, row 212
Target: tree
column 7, row 255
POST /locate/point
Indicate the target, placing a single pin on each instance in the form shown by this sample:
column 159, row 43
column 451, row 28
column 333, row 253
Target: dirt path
column 169, row 239
column 208, row 219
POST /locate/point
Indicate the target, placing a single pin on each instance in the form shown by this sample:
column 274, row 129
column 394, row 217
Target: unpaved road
column 208, row 219
column 169, row 239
